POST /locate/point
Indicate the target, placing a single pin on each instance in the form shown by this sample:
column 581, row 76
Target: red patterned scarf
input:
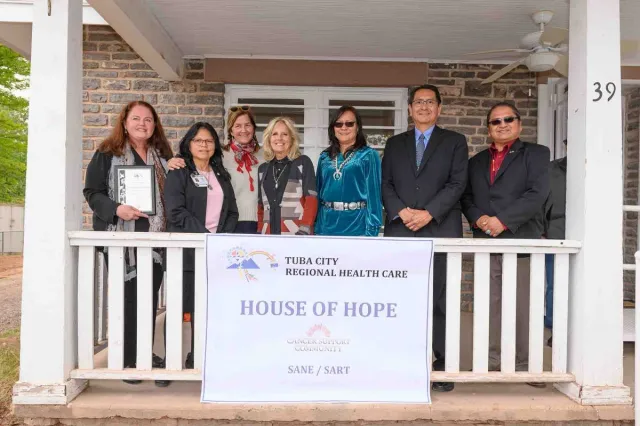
column 244, row 155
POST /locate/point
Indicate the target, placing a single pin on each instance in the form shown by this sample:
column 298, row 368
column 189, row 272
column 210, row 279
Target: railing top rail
column 446, row 245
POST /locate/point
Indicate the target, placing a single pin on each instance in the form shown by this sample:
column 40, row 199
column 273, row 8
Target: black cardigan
column 186, row 206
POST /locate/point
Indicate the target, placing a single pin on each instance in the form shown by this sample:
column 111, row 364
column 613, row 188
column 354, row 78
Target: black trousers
column 246, row 227
column 439, row 309
column 131, row 312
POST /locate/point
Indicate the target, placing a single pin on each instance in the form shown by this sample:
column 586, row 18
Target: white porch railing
column 89, row 313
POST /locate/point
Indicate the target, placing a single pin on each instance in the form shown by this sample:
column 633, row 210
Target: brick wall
column 631, row 164
column 466, row 101
column 115, row 75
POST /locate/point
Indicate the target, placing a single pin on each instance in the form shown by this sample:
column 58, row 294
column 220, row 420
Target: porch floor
column 179, row 404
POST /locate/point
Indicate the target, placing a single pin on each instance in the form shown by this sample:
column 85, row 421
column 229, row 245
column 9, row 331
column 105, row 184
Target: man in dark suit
column 424, row 173
column 505, row 195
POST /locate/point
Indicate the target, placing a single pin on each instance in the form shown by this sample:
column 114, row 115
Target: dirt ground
column 10, row 291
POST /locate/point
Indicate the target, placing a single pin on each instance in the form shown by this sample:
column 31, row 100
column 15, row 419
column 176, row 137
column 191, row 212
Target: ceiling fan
column 546, row 49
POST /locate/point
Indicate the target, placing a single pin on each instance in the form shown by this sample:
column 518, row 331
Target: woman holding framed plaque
column 200, row 199
column 349, row 180
column 287, row 198
column 124, row 187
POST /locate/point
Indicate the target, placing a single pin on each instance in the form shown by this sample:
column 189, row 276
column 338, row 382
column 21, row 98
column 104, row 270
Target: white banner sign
column 301, row 319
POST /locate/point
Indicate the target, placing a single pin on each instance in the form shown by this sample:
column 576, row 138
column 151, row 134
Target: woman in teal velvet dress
column 348, row 180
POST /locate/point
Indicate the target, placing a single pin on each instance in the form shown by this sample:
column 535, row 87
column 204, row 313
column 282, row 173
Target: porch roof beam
column 22, row 12
column 136, row 23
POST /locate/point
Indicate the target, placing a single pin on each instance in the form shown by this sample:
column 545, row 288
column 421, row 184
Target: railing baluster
column 97, row 288
column 116, row 308
column 86, row 288
column 508, row 326
column 144, row 265
column 162, row 298
column 452, row 341
column 174, row 309
column 481, row 313
column 103, row 287
column 200, row 307
column 536, row 314
column 560, row 313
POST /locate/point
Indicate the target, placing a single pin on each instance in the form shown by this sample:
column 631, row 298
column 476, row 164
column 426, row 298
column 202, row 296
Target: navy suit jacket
column 435, row 185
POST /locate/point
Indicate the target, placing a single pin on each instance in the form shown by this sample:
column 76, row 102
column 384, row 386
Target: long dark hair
column 334, row 145
column 185, row 152
column 114, row 143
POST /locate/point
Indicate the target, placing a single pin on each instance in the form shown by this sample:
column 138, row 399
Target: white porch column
column 545, row 123
column 53, row 206
column 594, row 204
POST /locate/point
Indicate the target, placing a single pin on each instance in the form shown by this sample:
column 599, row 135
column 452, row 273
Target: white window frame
column 317, row 109
column 552, row 116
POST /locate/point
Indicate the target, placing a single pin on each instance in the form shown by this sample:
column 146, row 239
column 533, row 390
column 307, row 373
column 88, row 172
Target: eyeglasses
column 203, row 142
column 424, row 102
column 341, row 124
column 239, row 108
column 507, row 120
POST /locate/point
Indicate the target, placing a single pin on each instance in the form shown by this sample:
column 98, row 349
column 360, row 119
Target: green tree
column 14, row 76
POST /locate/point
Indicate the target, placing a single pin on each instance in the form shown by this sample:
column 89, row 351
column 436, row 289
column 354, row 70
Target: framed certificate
column 136, row 186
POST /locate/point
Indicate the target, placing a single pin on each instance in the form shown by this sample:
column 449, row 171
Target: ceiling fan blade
column 485, row 52
column 562, row 66
column 629, row 47
column 503, row 71
column 553, row 36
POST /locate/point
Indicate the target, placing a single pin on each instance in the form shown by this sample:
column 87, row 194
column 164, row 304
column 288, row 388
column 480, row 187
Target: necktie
column 420, row 150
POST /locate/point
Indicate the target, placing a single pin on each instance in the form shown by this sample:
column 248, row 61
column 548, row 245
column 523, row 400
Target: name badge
column 200, row 181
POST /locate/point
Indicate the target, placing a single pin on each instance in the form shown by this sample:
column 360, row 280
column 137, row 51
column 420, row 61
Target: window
column 383, row 111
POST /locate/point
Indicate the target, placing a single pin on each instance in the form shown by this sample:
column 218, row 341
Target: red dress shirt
column 497, row 157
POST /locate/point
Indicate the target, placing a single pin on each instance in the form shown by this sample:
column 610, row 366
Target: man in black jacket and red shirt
column 505, row 195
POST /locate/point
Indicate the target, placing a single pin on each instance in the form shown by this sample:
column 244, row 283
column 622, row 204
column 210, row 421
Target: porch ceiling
column 374, row 29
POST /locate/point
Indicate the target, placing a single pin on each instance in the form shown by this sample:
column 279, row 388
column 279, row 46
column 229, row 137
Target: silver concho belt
column 341, row 206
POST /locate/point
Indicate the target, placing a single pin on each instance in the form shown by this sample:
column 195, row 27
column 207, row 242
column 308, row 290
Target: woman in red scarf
column 241, row 157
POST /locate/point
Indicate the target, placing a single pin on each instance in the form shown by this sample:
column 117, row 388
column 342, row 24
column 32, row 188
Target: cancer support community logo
column 248, row 262
column 318, row 338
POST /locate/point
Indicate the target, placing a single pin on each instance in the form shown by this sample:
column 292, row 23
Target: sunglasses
column 507, row 120
column 341, row 124
column 239, row 108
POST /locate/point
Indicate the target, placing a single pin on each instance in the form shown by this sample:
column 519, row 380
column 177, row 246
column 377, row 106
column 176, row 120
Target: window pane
column 272, row 101
column 266, row 114
column 339, row 103
column 373, row 117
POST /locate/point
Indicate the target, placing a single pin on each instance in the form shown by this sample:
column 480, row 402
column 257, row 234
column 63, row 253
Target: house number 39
column 610, row 88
